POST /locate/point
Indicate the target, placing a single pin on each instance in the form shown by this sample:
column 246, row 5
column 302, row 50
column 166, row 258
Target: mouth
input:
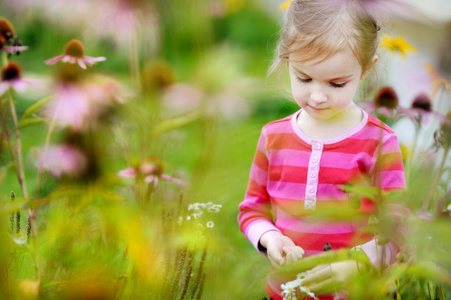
column 317, row 108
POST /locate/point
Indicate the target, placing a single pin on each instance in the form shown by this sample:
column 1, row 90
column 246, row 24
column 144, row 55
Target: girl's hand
column 329, row 278
column 280, row 249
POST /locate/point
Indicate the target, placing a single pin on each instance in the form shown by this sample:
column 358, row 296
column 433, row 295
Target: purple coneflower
column 385, row 103
column 74, row 53
column 152, row 172
column 11, row 78
column 79, row 105
column 421, row 110
column 64, row 160
column 7, row 37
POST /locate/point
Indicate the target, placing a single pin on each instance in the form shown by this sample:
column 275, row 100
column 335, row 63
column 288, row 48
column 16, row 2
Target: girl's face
column 326, row 89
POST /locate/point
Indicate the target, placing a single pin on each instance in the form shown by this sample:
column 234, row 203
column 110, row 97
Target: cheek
column 298, row 94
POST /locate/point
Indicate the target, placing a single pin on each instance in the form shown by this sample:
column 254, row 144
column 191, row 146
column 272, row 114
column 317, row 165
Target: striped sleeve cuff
column 256, row 230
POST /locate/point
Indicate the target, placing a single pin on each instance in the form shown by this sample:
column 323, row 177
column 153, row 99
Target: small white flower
column 188, row 218
column 198, row 214
column 301, row 276
column 210, row 224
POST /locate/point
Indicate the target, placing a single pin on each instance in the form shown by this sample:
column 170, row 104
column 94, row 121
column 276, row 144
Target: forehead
column 342, row 63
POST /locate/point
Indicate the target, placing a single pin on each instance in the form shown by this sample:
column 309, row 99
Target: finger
column 319, row 268
column 296, row 252
column 317, row 274
column 323, row 287
column 276, row 255
column 299, row 252
column 290, row 256
column 276, row 265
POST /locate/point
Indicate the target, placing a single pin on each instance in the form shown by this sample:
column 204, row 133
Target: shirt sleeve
column 387, row 174
column 255, row 214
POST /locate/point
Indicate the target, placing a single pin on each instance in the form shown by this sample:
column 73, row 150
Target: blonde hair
column 317, row 29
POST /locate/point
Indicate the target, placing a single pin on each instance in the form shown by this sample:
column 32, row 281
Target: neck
column 330, row 128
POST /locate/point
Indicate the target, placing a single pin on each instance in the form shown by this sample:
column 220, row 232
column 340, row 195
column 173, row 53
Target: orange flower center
column 423, row 102
column 6, row 29
column 74, row 48
column 386, row 97
column 10, row 72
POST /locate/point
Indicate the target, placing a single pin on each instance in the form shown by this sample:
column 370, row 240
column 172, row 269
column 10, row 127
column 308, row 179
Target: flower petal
column 127, row 173
column 92, row 60
column 12, row 49
column 18, row 85
column 81, row 63
column 3, row 87
column 175, row 180
column 53, row 60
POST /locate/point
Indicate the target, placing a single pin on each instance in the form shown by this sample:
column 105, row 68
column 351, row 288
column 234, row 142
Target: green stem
column 20, row 166
column 134, row 61
column 4, row 58
column 46, row 146
column 412, row 153
column 23, row 185
column 436, row 180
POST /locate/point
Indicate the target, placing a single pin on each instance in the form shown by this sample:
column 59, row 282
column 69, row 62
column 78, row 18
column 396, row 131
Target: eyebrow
column 344, row 77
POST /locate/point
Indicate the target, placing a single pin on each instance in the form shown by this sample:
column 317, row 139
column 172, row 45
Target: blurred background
column 186, row 95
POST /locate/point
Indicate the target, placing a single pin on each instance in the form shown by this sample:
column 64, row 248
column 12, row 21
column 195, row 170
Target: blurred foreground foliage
column 186, row 98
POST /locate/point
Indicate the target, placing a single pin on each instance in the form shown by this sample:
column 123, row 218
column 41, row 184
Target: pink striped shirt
column 294, row 184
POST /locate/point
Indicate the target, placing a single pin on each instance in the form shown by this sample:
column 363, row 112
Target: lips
column 317, row 108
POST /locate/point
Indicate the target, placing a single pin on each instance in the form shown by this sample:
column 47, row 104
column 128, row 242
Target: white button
column 315, row 159
column 312, row 174
column 311, row 189
column 318, row 146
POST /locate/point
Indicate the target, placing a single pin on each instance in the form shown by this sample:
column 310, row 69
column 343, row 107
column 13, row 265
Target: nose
column 318, row 97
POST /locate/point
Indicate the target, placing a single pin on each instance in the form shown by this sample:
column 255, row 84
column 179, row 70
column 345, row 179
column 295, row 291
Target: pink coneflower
column 421, row 110
column 385, row 103
column 80, row 104
column 64, row 160
column 74, row 53
column 151, row 172
column 11, row 79
column 7, row 37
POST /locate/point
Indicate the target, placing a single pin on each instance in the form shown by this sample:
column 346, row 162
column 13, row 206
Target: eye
column 338, row 85
column 304, row 80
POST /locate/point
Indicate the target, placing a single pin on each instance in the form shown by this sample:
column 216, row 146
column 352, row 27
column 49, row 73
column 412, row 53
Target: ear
column 370, row 67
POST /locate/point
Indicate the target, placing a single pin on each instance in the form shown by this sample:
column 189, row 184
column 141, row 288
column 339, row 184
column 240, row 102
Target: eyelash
column 335, row 85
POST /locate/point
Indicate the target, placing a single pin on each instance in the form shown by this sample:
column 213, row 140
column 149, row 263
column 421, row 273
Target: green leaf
column 174, row 123
column 9, row 207
column 36, row 106
column 365, row 191
column 26, row 122
column 429, row 271
column 63, row 192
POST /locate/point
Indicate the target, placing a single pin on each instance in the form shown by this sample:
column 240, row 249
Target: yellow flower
column 284, row 5
column 397, row 45
column 437, row 82
column 405, row 151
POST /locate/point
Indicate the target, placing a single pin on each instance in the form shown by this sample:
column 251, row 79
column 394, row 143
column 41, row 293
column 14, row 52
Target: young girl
column 303, row 161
